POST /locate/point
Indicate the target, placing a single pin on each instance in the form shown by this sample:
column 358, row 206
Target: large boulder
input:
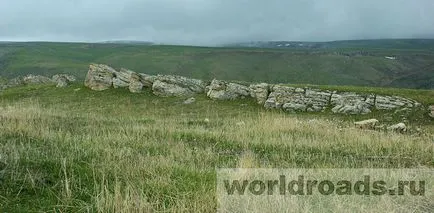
column 99, row 77
column 259, row 92
column 63, row 80
column 135, row 85
column 121, row 79
column 221, row 90
column 172, row 85
column 297, row 99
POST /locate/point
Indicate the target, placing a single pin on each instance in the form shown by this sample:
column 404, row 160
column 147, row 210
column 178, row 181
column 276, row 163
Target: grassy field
column 76, row 150
column 343, row 63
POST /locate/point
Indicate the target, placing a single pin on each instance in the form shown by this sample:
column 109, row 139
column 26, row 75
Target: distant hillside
column 386, row 63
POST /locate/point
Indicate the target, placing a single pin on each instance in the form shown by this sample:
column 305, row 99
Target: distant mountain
column 427, row 44
column 127, row 42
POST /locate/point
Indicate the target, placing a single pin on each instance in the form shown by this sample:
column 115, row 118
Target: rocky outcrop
column 297, row 99
column 63, row 80
column 287, row 98
column 172, row 85
column 222, row 90
column 393, row 102
column 99, row 77
column 36, row 79
column 135, row 84
column 259, row 92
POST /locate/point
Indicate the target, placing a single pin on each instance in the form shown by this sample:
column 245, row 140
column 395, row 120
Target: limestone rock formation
column 393, row 102
column 63, row 80
column 99, row 77
column 172, row 85
column 36, row 79
column 259, row 92
column 121, row 79
column 135, row 85
column 366, row 124
column 400, row 127
column 359, row 107
column 297, row 99
column 221, row 90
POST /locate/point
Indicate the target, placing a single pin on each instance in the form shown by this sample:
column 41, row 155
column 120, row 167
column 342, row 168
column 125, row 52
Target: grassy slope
column 76, row 150
column 329, row 66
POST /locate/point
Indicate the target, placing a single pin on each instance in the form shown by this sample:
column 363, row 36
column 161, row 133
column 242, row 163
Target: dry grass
column 85, row 157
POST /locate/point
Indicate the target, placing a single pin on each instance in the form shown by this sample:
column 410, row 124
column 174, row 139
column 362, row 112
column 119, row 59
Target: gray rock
column 135, row 86
column 172, row 85
column 366, row 124
column 63, row 80
column 400, row 127
column 164, row 89
column 147, row 80
column 118, row 83
column 393, row 102
column 259, row 92
column 36, row 79
column 221, row 90
column 293, row 107
column 356, row 108
column 190, row 101
column 99, row 77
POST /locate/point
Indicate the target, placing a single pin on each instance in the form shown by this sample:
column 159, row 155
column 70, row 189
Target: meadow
column 76, row 150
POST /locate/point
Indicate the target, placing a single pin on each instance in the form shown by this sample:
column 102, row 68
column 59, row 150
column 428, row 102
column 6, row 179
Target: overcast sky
column 212, row 22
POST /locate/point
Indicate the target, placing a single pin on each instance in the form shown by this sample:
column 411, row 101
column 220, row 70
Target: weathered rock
column 118, row 83
column 400, row 127
column 259, row 92
column 172, row 85
column 164, row 89
column 147, row 80
column 68, row 77
column 135, row 85
column 356, row 108
column 279, row 96
column 297, row 99
column 393, row 102
column 99, row 77
column 190, row 101
column 293, row 107
column 63, row 80
column 366, row 124
column 36, row 79
column 221, row 90
column 121, row 79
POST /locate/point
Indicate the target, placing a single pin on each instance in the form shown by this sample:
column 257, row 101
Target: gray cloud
column 211, row 22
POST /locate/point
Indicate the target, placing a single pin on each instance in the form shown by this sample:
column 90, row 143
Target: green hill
column 361, row 63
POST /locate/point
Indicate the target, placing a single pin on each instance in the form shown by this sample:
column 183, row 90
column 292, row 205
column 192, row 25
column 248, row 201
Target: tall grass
column 69, row 150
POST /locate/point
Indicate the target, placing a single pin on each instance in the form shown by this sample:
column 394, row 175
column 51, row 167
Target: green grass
column 331, row 66
column 76, row 150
